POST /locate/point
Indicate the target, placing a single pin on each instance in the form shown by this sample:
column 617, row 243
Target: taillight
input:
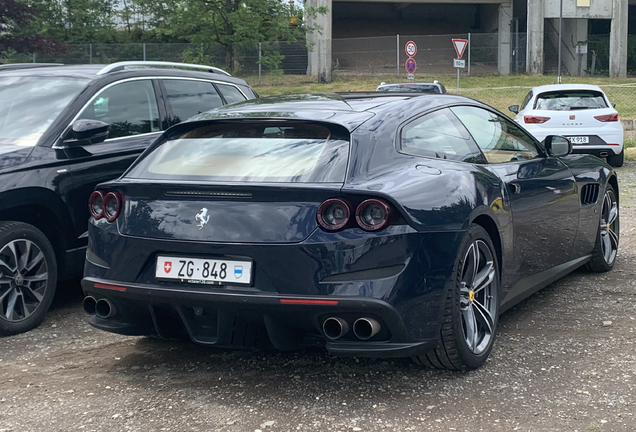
column 531, row 119
column 112, row 206
column 333, row 214
column 106, row 206
column 607, row 117
column 96, row 205
column 373, row 214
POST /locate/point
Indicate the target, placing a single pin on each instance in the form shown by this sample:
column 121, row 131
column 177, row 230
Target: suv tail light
column 531, row 119
column 371, row 215
column 106, row 206
column 607, row 117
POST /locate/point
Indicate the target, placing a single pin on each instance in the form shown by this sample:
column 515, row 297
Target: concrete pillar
column 319, row 58
column 503, row 44
column 618, row 39
column 534, row 59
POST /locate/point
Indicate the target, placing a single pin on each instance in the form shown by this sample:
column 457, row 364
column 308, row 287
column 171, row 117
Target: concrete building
column 538, row 18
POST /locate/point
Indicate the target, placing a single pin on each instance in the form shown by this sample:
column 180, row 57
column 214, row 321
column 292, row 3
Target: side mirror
column 557, row 146
column 86, row 131
column 514, row 108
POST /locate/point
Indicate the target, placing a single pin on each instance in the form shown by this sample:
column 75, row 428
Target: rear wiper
column 579, row 108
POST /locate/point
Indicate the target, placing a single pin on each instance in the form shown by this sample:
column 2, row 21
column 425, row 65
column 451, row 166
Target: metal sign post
column 460, row 46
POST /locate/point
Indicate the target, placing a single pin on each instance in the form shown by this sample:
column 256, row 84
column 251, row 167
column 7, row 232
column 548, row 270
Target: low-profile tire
column 471, row 312
column 28, row 277
column 607, row 238
column 616, row 160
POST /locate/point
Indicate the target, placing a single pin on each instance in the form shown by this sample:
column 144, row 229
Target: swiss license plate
column 579, row 140
column 206, row 271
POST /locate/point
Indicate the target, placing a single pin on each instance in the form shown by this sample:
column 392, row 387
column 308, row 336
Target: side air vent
column 209, row 194
column 589, row 193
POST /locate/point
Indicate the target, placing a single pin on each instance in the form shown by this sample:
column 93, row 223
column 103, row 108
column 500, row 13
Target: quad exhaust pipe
column 363, row 328
column 366, row 328
column 104, row 308
column 89, row 304
column 335, row 328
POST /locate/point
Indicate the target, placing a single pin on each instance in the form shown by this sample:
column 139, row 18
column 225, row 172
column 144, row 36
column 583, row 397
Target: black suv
column 63, row 130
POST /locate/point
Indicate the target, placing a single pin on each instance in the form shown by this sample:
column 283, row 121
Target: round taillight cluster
column 333, row 214
column 371, row 215
column 105, row 205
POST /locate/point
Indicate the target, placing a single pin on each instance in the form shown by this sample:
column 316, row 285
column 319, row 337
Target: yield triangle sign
column 460, row 46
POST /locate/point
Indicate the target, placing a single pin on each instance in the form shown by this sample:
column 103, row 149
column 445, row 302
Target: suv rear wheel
column 28, row 277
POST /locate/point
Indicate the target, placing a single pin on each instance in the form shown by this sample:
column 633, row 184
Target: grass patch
column 630, row 154
column 497, row 91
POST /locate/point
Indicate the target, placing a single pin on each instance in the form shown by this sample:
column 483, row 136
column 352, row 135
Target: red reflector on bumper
column 110, row 287
column 308, row 302
column 613, row 144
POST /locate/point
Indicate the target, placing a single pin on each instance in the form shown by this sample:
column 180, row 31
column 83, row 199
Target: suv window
column 439, row 134
column 231, row 93
column 130, row 108
column 189, row 98
column 499, row 139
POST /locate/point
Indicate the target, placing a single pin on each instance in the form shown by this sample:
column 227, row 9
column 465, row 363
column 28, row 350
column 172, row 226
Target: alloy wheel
column 609, row 227
column 478, row 297
column 23, row 279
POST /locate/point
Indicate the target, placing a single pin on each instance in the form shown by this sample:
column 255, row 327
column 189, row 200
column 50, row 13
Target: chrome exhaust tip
column 89, row 304
column 104, row 309
column 366, row 328
column 335, row 328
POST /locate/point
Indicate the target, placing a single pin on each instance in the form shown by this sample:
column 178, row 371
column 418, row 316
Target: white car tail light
column 607, row 118
column 532, row 119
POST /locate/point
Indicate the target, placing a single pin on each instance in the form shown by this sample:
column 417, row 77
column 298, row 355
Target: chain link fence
column 435, row 54
column 244, row 59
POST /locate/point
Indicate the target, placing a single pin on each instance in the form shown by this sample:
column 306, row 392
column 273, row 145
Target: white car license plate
column 206, row 271
column 579, row 140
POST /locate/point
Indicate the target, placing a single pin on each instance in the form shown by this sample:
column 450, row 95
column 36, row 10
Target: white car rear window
column 568, row 100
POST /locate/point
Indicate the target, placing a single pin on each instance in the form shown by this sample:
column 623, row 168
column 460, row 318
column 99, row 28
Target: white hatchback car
column 582, row 113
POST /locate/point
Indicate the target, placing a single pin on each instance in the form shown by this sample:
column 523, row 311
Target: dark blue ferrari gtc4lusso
column 373, row 225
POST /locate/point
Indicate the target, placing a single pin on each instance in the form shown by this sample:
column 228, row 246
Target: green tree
column 77, row 21
column 227, row 22
column 15, row 20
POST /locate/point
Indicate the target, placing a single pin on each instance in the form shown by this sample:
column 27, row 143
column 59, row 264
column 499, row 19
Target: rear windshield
column 566, row 100
column 415, row 88
column 265, row 152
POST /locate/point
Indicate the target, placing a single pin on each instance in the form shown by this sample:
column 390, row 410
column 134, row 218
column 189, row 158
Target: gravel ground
column 564, row 360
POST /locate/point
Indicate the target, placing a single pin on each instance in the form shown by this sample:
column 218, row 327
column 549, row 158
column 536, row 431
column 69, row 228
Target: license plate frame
column 194, row 271
column 575, row 140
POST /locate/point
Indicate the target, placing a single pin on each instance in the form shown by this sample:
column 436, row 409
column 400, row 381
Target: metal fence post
column 90, row 53
column 144, row 51
column 397, row 51
column 33, row 57
column 259, row 63
column 468, row 53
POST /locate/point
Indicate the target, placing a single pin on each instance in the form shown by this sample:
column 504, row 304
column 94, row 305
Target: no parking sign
column 410, row 65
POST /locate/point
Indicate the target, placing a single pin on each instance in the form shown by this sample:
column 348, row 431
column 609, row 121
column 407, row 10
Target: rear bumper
column 602, row 139
column 252, row 321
